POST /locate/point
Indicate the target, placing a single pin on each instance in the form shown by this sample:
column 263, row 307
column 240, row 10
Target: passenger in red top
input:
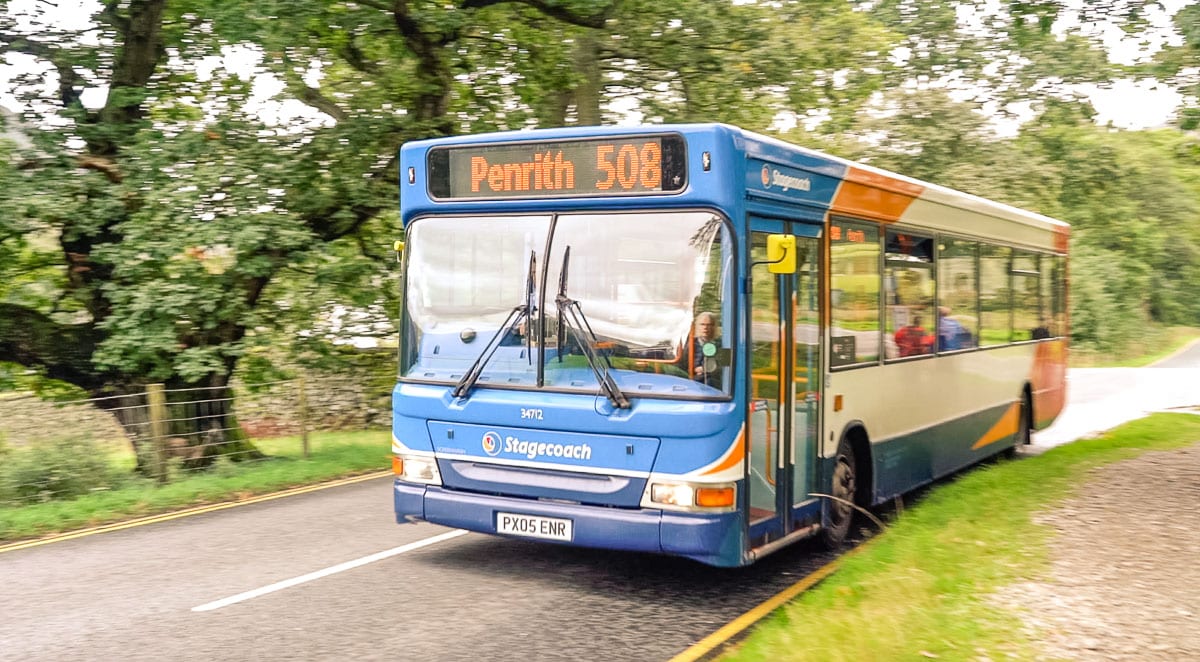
column 914, row 339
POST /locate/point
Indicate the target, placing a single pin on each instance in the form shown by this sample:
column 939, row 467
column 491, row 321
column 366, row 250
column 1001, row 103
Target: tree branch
column 109, row 15
column 101, row 165
column 136, row 62
column 32, row 339
column 68, row 79
column 355, row 57
column 553, row 10
column 313, row 97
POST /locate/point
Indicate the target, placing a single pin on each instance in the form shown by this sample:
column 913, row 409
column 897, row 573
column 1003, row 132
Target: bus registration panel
column 533, row 526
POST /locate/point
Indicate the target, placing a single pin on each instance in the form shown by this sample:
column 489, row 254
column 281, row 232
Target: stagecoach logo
column 784, row 181
column 492, row 443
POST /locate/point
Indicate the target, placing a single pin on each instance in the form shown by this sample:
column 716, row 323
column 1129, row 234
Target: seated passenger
column 1041, row 331
column 951, row 334
column 914, row 340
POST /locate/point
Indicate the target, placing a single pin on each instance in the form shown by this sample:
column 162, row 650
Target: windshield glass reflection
column 643, row 302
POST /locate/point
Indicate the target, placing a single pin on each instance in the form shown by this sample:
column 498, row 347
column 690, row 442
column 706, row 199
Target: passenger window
column 1028, row 321
column 908, row 293
column 995, row 295
column 958, row 294
column 854, row 295
column 1058, row 300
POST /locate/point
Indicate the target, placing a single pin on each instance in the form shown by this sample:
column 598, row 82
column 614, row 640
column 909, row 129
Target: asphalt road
column 130, row 595
column 1188, row 357
column 1100, row 399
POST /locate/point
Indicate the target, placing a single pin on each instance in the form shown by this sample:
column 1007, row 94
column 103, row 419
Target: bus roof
column 852, row 188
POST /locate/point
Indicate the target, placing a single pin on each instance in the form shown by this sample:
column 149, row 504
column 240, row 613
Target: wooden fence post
column 157, row 399
column 302, row 403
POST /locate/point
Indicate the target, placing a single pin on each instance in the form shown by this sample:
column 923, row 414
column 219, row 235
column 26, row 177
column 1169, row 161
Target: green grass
column 921, row 589
column 332, row 455
column 1158, row 343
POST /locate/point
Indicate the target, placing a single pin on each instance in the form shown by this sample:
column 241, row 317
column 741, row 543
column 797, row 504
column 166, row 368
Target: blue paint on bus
column 553, row 385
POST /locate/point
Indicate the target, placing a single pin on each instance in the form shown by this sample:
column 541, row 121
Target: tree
column 744, row 64
column 145, row 233
column 1179, row 66
column 178, row 227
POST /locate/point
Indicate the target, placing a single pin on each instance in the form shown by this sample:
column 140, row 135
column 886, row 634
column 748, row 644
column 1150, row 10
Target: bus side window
column 854, row 299
column 1058, row 301
column 958, row 294
column 1028, row 320
column 995, row 295
column 911, row 323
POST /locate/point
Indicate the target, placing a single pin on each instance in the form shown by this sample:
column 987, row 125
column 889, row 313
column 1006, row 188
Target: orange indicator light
column 397, row 465
column 714, row 497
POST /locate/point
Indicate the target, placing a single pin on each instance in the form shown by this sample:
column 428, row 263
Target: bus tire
column 1024, row 434
column 838, row 514
column 1025, row 426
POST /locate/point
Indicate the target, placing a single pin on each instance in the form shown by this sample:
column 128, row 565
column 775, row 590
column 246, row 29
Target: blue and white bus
column 698, row 341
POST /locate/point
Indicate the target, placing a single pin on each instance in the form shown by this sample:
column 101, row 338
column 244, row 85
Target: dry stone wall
column 274, row 411
column 26, row 419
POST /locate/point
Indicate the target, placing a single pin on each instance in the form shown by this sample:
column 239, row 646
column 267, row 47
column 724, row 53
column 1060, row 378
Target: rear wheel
column 839, row 512
column 1024, row 435
column 1025, row 426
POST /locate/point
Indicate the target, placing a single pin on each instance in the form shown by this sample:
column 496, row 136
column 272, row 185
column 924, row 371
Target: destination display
column 627, row 165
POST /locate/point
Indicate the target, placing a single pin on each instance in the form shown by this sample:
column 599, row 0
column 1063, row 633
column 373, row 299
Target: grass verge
column 332, row 455
column 1158, row 343
column 921, row 589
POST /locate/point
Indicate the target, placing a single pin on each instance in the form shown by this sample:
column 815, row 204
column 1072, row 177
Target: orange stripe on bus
column 1062, row 238
column 733, row 456
column 1049, row 380
column 1004, row 428
column 875, row 196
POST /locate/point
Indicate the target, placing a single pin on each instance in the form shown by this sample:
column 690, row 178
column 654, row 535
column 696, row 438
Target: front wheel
column 839, row 513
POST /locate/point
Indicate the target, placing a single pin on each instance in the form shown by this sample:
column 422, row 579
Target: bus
column 698, row 341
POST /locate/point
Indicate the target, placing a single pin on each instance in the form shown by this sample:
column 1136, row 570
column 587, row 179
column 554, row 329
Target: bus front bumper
column 715, row 539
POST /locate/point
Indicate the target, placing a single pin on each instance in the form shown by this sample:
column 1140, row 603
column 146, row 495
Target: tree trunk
column 587, row 93
column 199, row 425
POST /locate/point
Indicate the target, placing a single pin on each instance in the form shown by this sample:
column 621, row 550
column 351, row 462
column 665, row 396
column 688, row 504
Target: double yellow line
column 141, row 521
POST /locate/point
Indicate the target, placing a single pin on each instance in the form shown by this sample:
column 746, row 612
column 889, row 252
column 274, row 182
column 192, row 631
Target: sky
column 1132, row 103
column 1127, row 104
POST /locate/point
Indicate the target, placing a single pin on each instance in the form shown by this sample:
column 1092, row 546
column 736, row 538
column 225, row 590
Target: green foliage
column 332, row 455
column 1131, row 198
column 745, row 63
column 62, row 468
column 15, row 377
column 181, row 228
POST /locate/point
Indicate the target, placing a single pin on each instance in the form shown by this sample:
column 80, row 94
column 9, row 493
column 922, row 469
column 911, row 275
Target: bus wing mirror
column 399, row 248
column 781, row 254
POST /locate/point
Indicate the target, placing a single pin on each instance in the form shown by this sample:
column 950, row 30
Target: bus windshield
column 570, row 301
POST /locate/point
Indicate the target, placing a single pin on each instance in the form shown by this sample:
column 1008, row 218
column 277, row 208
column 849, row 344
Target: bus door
column 784, row 380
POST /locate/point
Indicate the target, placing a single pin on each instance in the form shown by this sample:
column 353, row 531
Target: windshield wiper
column 520, row 313
column 571, row 313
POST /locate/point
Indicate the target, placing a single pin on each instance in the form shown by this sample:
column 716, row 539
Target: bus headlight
column 669, row 494
column 691, row 496
column 416, row 469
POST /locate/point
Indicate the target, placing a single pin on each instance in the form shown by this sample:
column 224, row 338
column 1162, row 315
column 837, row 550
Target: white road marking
column 348, row 565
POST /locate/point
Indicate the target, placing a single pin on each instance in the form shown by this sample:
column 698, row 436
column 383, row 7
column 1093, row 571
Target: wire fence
column 53, row 450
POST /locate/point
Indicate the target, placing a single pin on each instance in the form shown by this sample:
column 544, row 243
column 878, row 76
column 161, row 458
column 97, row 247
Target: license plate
column 533, row 526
